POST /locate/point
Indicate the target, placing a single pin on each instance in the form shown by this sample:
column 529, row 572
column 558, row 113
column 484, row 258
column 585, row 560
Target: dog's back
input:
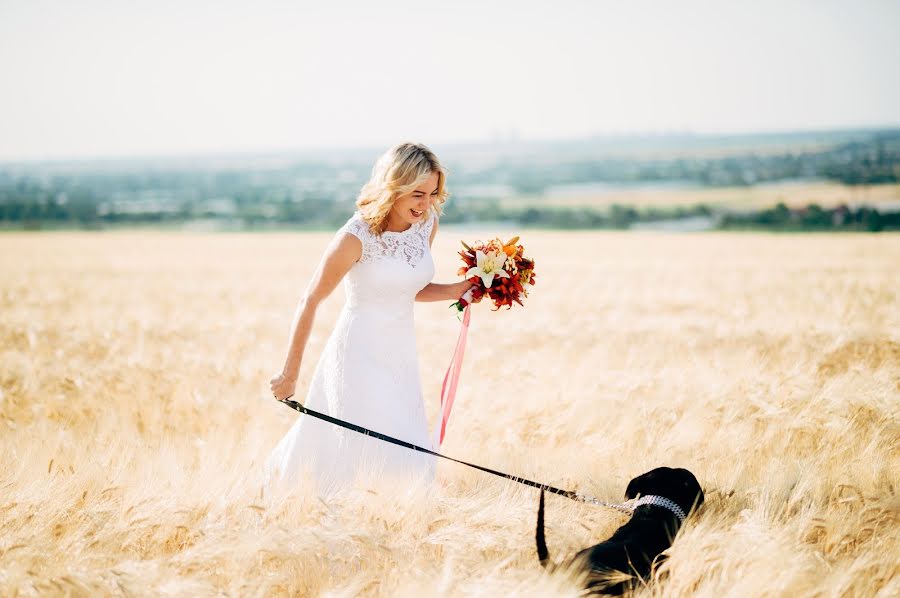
column 634, row 547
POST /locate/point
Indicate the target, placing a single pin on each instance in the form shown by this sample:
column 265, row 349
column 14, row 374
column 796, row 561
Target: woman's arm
column 341, row 254
column 441, row 292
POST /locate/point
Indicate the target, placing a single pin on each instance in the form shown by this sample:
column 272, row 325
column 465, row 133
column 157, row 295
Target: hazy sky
column 91, row 78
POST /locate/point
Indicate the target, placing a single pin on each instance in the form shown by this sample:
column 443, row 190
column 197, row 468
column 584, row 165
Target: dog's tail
column 543, row 554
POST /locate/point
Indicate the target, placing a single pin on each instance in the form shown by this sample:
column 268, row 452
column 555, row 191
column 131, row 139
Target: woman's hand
column 344, row 250
column 283, row 387
column 464, row 287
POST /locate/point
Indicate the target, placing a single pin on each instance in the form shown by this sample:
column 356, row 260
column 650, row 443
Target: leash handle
column 524, row 481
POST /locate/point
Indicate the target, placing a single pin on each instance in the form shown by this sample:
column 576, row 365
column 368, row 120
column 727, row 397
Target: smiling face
column 413, row 207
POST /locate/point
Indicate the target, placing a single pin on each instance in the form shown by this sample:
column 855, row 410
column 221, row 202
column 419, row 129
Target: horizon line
column 498, row 140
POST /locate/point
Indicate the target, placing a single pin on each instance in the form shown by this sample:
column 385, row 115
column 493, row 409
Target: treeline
column 809, row 218
column 329, row 215
column 319, row 193
column 77, row 211
column 813, row 218
column 872, row 161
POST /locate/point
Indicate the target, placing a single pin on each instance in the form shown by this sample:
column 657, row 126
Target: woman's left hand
column 441, row 291
column 464, row 287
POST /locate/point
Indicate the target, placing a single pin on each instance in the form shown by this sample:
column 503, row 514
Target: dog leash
column 626, row 507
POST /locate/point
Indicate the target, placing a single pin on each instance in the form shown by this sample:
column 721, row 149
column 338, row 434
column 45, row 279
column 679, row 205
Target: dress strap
column 356, row 226
column 359, row 228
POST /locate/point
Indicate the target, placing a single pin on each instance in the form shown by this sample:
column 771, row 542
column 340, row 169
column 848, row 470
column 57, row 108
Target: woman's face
column 413, row 207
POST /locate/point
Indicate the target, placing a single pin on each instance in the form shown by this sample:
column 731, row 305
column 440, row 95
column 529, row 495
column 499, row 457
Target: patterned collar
column 659, row 501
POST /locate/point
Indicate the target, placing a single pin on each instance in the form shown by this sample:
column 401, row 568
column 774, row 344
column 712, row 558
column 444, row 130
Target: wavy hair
column 398, row 171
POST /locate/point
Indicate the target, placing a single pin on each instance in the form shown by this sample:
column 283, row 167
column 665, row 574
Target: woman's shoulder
column 357, row 227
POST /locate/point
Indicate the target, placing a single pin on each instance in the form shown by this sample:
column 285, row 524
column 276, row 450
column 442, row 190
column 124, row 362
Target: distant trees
column 870, row 162
column 316, row 194
column 814, row 217
column 80, row 210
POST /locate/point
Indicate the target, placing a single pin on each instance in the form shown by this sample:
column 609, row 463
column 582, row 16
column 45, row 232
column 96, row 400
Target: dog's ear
column 632, row 490
column 641, row 485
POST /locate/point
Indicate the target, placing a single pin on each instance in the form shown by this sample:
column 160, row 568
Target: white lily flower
column 490, row 265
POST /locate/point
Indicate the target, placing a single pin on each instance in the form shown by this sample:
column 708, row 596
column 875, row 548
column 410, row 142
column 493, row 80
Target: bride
column 368, row 373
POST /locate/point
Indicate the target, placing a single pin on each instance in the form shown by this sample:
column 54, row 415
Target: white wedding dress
column 368, row 373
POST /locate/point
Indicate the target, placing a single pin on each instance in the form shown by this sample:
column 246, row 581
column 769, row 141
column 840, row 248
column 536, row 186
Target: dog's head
column 678, row 485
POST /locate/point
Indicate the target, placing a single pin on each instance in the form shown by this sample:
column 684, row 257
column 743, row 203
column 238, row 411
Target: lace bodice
column 409, row 245
column 394, row 266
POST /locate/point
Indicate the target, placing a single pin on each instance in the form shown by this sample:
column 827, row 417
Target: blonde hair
column 398, row 171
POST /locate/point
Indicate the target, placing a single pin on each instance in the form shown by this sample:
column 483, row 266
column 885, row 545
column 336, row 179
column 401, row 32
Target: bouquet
column 503, row 274
column 501, row 271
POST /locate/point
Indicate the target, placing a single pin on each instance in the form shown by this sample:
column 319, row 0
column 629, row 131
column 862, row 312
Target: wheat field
column 135, row 413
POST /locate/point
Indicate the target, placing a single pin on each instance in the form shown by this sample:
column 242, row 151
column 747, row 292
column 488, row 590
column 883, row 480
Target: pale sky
column 123, row 78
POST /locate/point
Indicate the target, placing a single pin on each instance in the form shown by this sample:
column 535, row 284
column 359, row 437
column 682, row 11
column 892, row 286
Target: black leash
column 365, row 431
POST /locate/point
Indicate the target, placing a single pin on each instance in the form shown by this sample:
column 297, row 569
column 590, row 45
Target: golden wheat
column 134, row 409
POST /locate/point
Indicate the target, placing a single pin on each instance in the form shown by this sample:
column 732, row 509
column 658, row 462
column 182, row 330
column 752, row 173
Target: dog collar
column 660, row 501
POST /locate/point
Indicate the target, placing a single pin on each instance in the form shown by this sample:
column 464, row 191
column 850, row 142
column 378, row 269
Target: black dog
column 666, row 496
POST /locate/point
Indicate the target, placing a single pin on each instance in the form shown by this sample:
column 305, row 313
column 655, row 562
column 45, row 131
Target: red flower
column 504, row 291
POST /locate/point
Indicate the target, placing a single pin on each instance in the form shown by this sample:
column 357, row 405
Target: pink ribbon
column 451, row 378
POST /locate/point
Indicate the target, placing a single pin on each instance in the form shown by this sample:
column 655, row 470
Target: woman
column 368, row 373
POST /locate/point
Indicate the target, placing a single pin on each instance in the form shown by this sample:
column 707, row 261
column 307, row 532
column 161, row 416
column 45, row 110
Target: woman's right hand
column 344, row 251
column 282, row 386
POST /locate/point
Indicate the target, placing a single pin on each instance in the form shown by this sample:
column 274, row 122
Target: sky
column 132, row 78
